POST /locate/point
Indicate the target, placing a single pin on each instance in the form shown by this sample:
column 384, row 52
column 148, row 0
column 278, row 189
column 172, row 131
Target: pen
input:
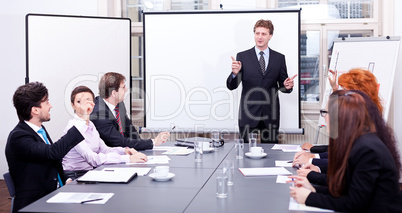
column 109, row 170
column 87, row 201
column 172, row 129
column 290, row 161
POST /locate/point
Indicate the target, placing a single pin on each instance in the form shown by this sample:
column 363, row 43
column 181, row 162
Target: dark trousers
column 267, row 134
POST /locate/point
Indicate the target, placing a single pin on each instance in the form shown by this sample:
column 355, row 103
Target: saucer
column 248, row 154
column 158, row 178
column 209, row 149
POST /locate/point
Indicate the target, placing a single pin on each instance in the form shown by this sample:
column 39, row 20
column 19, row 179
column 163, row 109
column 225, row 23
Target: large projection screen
column 67, row 51
column 187, row 59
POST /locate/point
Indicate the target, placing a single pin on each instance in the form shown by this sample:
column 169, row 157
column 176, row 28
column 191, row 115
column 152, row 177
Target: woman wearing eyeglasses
column 363, row 174
column 355, row 79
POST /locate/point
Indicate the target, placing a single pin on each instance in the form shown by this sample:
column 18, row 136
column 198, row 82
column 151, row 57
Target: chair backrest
column 9, row 183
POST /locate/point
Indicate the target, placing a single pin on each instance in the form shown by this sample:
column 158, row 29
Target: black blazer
column 258, row 87
column 371, row 181
column 33, row 164
column 317, row 178
column 108, row 128
column 319, row 149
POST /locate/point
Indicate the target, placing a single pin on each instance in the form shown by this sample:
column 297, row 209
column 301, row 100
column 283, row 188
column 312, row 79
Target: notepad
column 294, row 206
column 264, row 171
column 79, row 197
column 109, row 175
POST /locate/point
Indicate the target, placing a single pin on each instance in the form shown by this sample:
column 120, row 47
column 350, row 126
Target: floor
column 5, row 202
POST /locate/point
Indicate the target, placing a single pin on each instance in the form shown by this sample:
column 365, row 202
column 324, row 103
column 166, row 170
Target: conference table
column 192, row 189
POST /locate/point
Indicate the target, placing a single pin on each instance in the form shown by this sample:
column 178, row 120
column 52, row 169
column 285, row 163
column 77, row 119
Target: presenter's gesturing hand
column 289, row 82
column 236, row 66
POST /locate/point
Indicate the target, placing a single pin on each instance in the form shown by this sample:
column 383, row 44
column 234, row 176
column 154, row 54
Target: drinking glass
column 239, row 144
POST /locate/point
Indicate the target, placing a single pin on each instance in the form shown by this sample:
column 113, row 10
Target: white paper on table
column 293, row 205
column 179, row 151
column 263, row 171
column 163, row 148
column 279, row 146
column 141, row 171
column 78, row 197
column 114, row 175
column 287, row 147
column 283, row 163
column 282, row 179
column 155, row 159
column 292, row 149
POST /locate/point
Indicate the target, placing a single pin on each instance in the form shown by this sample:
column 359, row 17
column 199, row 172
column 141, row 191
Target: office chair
column 11, row 189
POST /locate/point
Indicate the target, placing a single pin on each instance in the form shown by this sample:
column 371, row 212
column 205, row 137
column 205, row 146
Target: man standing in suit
column 34, row 161
column 263, row 72
column 110, row 117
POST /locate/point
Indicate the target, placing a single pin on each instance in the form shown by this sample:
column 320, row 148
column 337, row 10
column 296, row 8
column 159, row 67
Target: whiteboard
column 67, row 51
column 377, row 54
column 187, row 59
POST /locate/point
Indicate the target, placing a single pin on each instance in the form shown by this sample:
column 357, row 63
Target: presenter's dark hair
column 266, row 24
column 110, row 81
column 27, row 96
column 80, row 89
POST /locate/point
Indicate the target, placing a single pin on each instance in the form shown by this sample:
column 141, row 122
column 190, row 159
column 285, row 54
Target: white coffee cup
column 161, row 171
column 256, row 150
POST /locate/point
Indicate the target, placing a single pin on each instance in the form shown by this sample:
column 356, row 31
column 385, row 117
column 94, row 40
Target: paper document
column 78, row 197
column 263, row 171
column 114, row 175
column 164, row 148
column 293, row 205
column 287, row 147
column 283, row 163
column 155, row 159
column 179, row 151
column 282, row 179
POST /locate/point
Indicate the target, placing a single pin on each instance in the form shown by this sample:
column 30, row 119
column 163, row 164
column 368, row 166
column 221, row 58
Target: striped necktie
column 43, row 133
column 262, row 62
column 119, row 119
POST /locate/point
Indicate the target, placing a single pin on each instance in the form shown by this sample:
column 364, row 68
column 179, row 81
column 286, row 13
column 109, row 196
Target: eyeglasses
column 323, row 112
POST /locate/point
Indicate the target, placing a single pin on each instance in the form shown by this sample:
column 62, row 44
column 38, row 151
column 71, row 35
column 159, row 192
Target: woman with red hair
column 362, row 172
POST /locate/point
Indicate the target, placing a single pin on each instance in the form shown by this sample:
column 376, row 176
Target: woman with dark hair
column 383, row 131
column 355, row 79
column 362, row 172
column 92, row 152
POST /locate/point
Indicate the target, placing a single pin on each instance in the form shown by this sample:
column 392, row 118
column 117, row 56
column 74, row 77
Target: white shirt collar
column 35, row 128
column 110, row 106
column 257, row 51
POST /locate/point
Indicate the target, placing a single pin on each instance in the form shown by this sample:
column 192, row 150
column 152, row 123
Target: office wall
column 12, row 51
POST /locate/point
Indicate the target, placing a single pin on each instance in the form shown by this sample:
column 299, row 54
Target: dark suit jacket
column 108, row 128
column 33, row 164
column 319, row 149
column 322, row 163
column 317, row 178
column 371, row 181
column 258, row 88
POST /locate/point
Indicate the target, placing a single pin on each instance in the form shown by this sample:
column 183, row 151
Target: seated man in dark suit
column 34, row 161
column 110, row 117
